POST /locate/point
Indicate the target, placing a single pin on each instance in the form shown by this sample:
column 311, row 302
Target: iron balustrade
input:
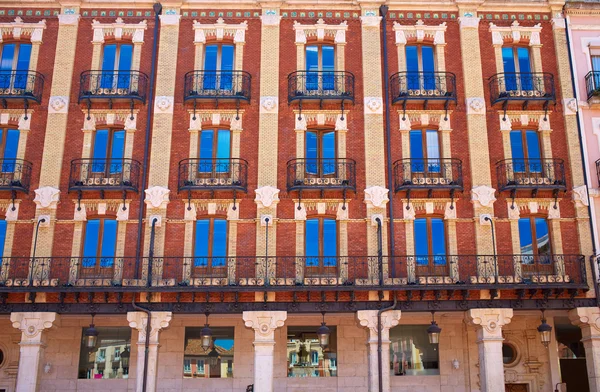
column 592, row 84
column 521, row 87
column 299, row 272
column 105, row 174
column 234, row 85
column 213, row 174
column 321, row 173
column 321, row 85
column 26, row 85
column 514, row 174
column 423, row 86
column 127, row 85
column 15, row 175
column 438, row 173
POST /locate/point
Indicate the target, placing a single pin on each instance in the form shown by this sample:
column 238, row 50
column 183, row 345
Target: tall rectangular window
column 99, row 246
column 320, row 153
column 2, row 237
column 425, row 151
column 517, row 68
column 595, row 60
column 215, row 151
column 306, row 357
column 430, row 245
column 321, row 244
column 320, row 61
column 15, row 57
column 9, row 144
column 526, row 151
column 108, row 151
column 107, row 359
column 212, row 362
column 218, row 64
column 411, row 354
column 534, row 236
column 210, row 247
column 420, row 67
column 116, row 66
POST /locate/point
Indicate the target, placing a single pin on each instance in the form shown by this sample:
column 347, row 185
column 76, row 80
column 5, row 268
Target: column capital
column 139, row 321
column 587, row 318
column 32, row 324
column 368, row 319
column 489, row 322
column 264, row 324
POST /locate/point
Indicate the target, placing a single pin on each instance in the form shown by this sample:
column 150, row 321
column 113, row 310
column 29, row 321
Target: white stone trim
column 220, row 30
column 320, row 30
column 270, row 17
column 157, row 197
column 58, row 104
column 373, row 105
column 420, row 31
column 19, row 29
column 269, row 105
column 46, row 197
column 517, row 33
column 468, row 22
column 68, row 19
column 164, row 104
column 475, row 105
column 119, row 30
column 169, row 20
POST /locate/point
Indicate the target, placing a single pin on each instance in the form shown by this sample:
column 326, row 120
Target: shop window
column 213, row 362
column 411, row 354
column 100, row 362
column 306, row 358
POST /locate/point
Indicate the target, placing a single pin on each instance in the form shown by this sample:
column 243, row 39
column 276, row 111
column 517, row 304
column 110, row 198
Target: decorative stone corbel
column 376, row 196
column 46, row 197
column 32, row 324
column 299, row 211
column 139, row 321
column 580, row 196
column 489, row 322
column 409, row 212
column 157, row 197
column 80, row 213
column 342, row 211
column 123, row 211
column 266, row 196
column 483, row 196
column 233, row 214
column 264, row 323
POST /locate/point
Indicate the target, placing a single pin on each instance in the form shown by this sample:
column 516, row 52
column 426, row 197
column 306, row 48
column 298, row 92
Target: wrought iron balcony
column 592, row 84
column 522, row 88
column 213, row 174
column 531, row 174
column 23, row 86
column 423, row 87
column 104, row 175
column 15, row 175
column 113, row 86
column 217, row 85
column 469, row 272
column 335, row 86
column 428, row 174
column 323, row 174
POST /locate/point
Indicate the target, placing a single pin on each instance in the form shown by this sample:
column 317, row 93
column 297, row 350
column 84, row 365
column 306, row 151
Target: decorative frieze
column 220, row 31
column 119, row 30
column 320, row 31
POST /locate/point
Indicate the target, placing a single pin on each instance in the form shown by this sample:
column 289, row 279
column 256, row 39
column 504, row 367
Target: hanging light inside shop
column 91, row 335
column 323, row 333
column 206, row 335
column 545, row 331
column 125, row 357
column 434, row 331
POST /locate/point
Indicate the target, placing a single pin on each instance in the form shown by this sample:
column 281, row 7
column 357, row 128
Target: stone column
column 368, row 319
column 139, row 321
column 264, row 324
column 588, row 319
column 488, row 324
column 32, row 326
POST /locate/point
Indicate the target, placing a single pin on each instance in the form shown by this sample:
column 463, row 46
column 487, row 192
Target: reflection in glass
column 105, row 360
column 306, row 358
column 213, row 362
column 411, row 354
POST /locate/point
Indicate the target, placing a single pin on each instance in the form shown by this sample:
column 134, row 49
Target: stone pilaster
column 488, row 324
column 264, row 324
column 588, row 319
column 139, row 321
column 368, row 319
column 31, row 352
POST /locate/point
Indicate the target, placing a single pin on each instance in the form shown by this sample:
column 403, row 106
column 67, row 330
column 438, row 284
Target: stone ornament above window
column 20, row 30
column 220, row 31
column 539, row 121
column 119, row 30
column 320, row 31
column 419, row 32
column 516, row 34
column 217, row 117
column 101, row 117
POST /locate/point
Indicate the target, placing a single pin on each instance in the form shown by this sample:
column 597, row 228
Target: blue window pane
column 117, row 151
column 596, row 63
column 412, row 67
column 226, row 66
column 311, row 152
column 210, row 64
column 10, row 150
column 206, row 151
column 329, row 242
column 416, row 151
column 421, row 241
column 524, row 61
column 90, row 242
column 219, row 245
column 2, row 237
column 22, row 67
column 100, row 150
column 525, row 236
column 312, row 242
column 433, row 151
column 438, row 241
column 533, row 152
column 328, row 153
column 223, row 150
column 108, row 66
column 542, row 236
column 312, row 64
column 518, row 151
column 428, row 67
column 8, row 57
column 201, row 243
column 124, row 76
column 328, row 66
column 109, row 242
column 508, row 60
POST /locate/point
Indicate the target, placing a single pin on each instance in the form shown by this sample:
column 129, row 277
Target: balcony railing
column 440, row 173
column 423, row 86
column 321, row 85
column 312, row 173
column 21, row 85
column 113, row 85
column 515, row 174
column 522, row 88
column 300, row 272
column 233, row 85
column 105, row 175
column 592, row 84
column 15, row 175
column 213, row 174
